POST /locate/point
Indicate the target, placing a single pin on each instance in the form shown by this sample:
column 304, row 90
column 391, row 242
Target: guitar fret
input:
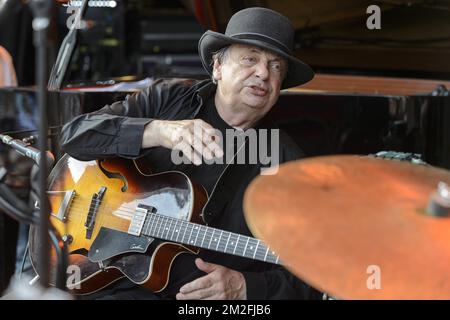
column 160, row 228
column 198, row 231
column 253, row 245
column 153, row 224
column 265, row 256
column 224, row 242
column 233, row 241
column 185, row 228
column 157, row 225
column 241, row 245
column 165, row 228
column 212, row 236
column 235, row 246
column 204, row 235
column 226, row 245
column 179, row 231
column 221, row 233
column 190, row 235
column 256, row 250
column 174, row 229
column 261, row 250
column 245, row 248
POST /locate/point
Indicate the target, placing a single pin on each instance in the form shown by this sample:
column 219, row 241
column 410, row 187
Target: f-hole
column 114, row 175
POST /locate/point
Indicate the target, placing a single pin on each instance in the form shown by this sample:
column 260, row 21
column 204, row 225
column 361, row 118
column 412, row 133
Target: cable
column 12, row 198
column 17, row 214
column 22, row 265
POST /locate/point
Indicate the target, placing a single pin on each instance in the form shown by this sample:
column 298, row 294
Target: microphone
column 26, row 150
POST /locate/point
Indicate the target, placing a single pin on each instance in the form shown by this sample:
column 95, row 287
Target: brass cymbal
column 355, row 227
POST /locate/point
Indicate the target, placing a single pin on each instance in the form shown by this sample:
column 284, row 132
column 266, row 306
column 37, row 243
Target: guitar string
column 238, row 243
column 260, row 248
column 208, row 233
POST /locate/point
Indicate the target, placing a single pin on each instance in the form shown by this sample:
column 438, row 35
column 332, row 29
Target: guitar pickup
column 137, row 222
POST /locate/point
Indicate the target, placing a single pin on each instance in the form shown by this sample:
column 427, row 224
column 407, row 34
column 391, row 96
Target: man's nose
column 262, row 71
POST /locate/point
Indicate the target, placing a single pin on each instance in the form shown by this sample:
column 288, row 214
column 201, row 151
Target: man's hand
column 195, row 138
column 220, row 283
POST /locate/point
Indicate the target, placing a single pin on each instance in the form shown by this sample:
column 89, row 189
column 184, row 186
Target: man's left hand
column 220, row 283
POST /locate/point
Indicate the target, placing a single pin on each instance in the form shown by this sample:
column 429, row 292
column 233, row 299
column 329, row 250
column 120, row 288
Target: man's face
column 250, row 77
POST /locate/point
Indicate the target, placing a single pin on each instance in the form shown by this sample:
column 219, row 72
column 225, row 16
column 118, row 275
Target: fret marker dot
column 215, row 239
column 251, row 247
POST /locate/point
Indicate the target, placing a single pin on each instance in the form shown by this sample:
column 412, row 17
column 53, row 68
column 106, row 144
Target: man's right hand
column 195, row 138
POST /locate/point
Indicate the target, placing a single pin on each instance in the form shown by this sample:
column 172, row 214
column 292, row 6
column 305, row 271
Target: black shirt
column 208, row 174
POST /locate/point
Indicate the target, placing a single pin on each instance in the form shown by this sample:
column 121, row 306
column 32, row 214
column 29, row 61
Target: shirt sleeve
column 114, row 130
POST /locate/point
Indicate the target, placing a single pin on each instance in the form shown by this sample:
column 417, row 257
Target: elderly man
column 249, row 65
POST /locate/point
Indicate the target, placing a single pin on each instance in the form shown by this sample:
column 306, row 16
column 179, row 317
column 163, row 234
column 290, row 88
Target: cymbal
column 355, row 227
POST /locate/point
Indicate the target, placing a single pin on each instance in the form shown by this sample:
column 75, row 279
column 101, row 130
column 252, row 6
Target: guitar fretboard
column 181, row 231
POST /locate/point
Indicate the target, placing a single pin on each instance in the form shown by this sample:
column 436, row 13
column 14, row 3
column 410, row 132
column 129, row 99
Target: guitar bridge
column 68, row 196
column 93, row 209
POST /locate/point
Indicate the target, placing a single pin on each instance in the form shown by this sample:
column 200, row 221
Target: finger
column 210, row 137
column 197, row 284
column 206, row 266
column 200, row 144
column 203, row 294
column 212, row 140
column 189, row 153
column 217, row 149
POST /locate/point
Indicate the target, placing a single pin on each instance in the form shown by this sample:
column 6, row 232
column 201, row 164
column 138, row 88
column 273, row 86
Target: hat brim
column 298, row 71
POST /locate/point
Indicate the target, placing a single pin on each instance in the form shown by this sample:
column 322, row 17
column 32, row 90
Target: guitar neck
column 181, row 231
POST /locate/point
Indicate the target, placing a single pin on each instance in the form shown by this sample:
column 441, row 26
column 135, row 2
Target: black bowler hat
column 263, row 28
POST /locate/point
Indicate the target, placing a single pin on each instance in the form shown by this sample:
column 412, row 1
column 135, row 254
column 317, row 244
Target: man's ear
column 217, row 70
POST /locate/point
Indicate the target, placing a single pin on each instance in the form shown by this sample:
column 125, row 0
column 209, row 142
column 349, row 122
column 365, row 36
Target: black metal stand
column 41, row 22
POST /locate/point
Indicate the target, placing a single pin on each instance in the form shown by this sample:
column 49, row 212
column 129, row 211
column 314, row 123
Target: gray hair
column 219, row 55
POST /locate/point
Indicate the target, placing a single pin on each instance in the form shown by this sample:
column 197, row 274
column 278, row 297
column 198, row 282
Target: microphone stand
column 42, row 15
